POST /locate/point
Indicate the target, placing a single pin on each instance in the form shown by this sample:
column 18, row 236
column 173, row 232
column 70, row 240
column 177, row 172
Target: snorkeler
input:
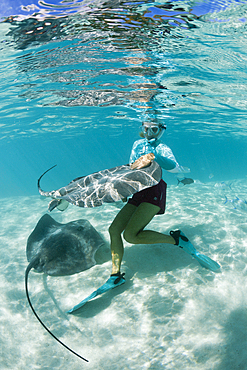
column 144, row 205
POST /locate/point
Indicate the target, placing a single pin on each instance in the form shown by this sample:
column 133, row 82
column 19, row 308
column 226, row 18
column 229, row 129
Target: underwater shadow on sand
column 235, row 344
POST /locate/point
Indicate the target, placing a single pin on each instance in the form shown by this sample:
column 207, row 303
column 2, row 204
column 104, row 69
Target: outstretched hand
column 143, row 161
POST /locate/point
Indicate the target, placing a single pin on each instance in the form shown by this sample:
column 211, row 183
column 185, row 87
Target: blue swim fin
column 114, row 281
column 183, row 242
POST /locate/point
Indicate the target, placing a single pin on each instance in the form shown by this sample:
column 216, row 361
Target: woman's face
column 151, row 130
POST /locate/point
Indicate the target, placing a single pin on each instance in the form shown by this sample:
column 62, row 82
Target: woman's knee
column 129, row 236
column 114, row 230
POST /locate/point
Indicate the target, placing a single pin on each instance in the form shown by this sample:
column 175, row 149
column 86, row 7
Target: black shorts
column 155, row 195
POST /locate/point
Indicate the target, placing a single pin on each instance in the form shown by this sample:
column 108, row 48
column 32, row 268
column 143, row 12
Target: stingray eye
column 80, row 228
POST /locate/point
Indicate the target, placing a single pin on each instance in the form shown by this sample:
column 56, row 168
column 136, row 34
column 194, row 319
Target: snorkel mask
column 153, row 132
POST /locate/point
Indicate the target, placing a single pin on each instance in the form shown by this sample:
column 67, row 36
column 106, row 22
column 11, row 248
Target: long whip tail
column 41, row 322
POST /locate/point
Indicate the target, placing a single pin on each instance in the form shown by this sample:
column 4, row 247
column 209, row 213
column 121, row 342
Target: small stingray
column 105, row 186
column 237, row 203
column 61, row 249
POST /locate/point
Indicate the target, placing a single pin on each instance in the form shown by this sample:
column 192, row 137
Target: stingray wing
column 107, row 186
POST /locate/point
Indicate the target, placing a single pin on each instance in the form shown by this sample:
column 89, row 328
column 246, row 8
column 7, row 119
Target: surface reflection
column 152, row 58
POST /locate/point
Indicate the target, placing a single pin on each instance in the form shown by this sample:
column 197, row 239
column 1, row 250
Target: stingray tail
column 42, row 192
column 29, row 267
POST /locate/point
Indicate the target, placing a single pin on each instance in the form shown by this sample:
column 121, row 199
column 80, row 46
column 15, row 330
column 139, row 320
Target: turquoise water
column 76, row 83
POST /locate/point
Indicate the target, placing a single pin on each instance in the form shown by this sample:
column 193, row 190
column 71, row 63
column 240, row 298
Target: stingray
column 61, row 249
column 105, row 186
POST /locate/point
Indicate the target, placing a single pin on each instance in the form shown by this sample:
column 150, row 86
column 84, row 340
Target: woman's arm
column 166, row 159
column 143, row 161
column 166, row 163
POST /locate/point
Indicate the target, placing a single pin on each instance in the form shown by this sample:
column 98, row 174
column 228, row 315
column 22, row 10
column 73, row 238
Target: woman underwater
column 144, row 205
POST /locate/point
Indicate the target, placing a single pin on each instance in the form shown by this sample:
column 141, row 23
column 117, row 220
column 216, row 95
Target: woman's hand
column 143, row 161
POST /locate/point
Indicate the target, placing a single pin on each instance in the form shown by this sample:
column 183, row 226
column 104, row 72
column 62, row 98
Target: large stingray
column 105, row 186
column 61, row 249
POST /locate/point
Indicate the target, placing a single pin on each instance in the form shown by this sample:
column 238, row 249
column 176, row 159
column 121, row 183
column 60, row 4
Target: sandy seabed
column 170, row 314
